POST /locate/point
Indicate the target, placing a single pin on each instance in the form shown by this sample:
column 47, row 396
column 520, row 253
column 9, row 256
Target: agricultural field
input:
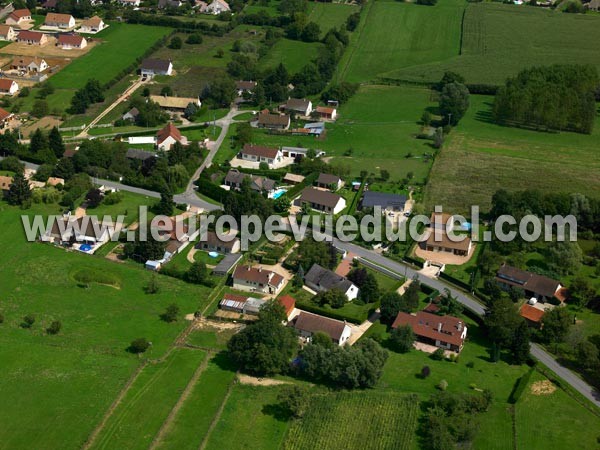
column 546, row 414
column 155, row 391
column 330, row 15
column 68, row 381
column 394, row 35
column 361, row 420
column 294, row 55
column 376, row 130
column 481, row 157
column 499, row 40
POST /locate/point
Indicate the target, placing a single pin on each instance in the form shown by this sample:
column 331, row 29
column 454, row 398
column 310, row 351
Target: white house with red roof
column 445, row 332
column 70, row 41
column 257, row 279
column 18, row 17
column 7, row 33
column 8, row 87
column 168, row 136
column 92, row 25
column 259, row 154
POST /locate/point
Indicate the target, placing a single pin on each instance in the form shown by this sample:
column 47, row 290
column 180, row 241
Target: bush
column 470, row 364
column 438, row 355
column 171, row 313
column 28, row 321
column 1, row 318
column 425, row 372
column 139, row 346
column 195, row 38
column 442, row 385
column 268, row 261
column 54, row 327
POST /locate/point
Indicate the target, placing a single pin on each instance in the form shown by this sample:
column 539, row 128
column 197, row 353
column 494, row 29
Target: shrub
column 152, row 287
column 425, row 372
column 28, row 321
column 442, row 385
column 438, row 355
column 54, row 327
column 171, row 313
column 1, row 318
column 139, row 346
column 470, row 364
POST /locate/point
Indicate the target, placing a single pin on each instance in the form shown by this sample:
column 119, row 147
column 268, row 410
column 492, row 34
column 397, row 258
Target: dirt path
column 180, row 402
column 217, row 417
column 254, row 381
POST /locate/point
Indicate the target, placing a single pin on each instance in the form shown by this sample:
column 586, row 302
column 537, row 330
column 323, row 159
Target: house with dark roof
column 245, row 87
column 320, row 279
column 385, row 200
column 257, row 279
column 168, row 136
column 70, row 41
column 68, row 230
column 234, row 179
column 151, row 67
column 292, row 178
column 320, row 200
column 131, row 114
column 542, row 288
column 273, row 121
column 211, row 242
column 440, row 241
column 261, row 154
column 300, row 106
column 445, row 332
column 307, row 324
column 329, row 181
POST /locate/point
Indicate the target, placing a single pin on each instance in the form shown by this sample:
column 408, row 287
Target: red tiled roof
column 288, row 302
column 325, row 110
column 257, row 150
column 5, row 84
column 257, row 275
column 168, row 130
column 531, row 313
column 20, row 13
column 30, row 36
column 443, row 328
column 4, row 114
column 73, row 40
column 58, row 18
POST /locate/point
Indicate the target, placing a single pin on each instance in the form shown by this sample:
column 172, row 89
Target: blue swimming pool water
column 278, row 193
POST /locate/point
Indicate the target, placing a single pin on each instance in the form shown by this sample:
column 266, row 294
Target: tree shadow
column 277, row 411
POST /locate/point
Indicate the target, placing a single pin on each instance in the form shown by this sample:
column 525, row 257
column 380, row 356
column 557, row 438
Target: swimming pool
column 278, row 193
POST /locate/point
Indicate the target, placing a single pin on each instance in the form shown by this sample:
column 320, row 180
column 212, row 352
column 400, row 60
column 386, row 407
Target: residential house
column 273, row 121
column 8, row 87
column 168, row 136
column 88, row 230
column 70, row 41
column 245, row 87
column 211, row 242
column 323, row 201
column 385, row 200
column 445, row 332
column 327, row 112
column 299, row 106
column 162, row 4
column 7, row 33
column 241, row 304
column 308, row 324
column 5, row 183
column 226, row 264
column 289, row 304
column 175, row 103
column 18, row 17
column 442, row 221
column 257, row 279
column 532, row 315
column 292, row 178
column 151, row 67
column 294, row 152
column 28, row 64
column 32, row 38
column 5, row 118
column 321, row 279
column 131, row 114
column 57, row 20
column 439, row 241
column 328, row 181
column 540, row 287
column 235, row 178
column 50, row 4
column 217, row 7
column 92, row 25
column 55, row 181
column 594, row 5
column 260, row 154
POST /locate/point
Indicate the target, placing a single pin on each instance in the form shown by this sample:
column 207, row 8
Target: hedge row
column 411, row 260
column 520, row 386
column 211, row 190
column 308, row 181
column 456, row 281
column 309, row 307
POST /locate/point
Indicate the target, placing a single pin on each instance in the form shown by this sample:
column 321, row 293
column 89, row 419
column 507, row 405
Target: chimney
column 259, row 268
column 439, row 328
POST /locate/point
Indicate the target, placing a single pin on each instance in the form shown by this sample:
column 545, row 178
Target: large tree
column 19, row 192
column 454, row 102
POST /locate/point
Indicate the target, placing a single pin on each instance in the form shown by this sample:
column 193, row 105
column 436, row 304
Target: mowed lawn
column 481, row 157
column 500, row 40
column 330, row 15
column 376, row 130
column 356, row 420
column 394, row 35
column 55, row 389
column 294, row 55
column 554, row 420
column 122, row 45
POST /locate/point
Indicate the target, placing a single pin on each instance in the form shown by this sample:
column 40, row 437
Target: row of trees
column 557, row 97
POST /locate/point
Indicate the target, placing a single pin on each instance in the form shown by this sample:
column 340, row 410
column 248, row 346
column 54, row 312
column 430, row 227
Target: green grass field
column 294, row 55
column 379, row 125
column 154, row 393
column 330, row 15
column 356, row 420
column 554, row 418
column 67, row 382
column 481, row 157
column 500, row 40
column 394, row 35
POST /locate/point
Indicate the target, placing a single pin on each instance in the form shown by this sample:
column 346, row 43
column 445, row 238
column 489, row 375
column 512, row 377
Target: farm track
column 184, row 397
